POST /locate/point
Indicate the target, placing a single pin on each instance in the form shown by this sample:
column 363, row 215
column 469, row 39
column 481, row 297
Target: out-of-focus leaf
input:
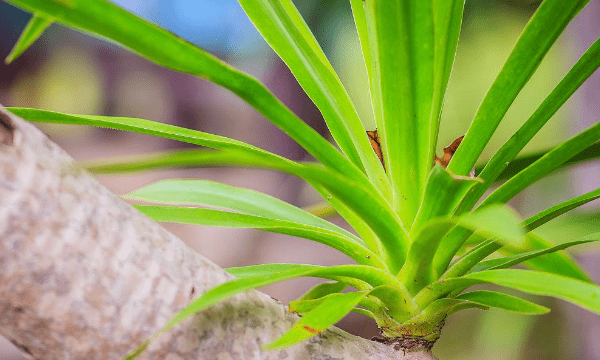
column 542, row 30
column 34, row 29
column 543, row 217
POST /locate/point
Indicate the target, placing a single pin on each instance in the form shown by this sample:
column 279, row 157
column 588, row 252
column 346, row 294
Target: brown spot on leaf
column 310, row 329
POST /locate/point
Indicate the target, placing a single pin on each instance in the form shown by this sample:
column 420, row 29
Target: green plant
column 422, row 240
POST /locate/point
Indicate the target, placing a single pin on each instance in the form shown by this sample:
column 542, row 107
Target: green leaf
column 360, row 197
column 402, row 88
column 558, row 262
column 575, row 291
column 164, row 48
column 544, row 165
column 500, row 222
column 542, row 30
column 514, row 167
column 142, row 126
column 443, row 193
column 212, row 193
column 324, row 289
column 505, row 302
column 372, row 276
column 350, row 246
column 503, row 164
column 331, row 310
column 360, row 20
column 284, row 29
column 508, row 261
column 581, row 293
column 34, row 29
column 543, row 217
column 447, row 19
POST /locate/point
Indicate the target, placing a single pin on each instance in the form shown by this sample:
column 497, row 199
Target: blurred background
column 70, row 72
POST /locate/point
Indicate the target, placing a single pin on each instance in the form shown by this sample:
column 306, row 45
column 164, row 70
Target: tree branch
column 85, row 276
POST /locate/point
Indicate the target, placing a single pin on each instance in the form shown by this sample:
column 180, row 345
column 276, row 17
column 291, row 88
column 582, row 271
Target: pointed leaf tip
column 34, row 29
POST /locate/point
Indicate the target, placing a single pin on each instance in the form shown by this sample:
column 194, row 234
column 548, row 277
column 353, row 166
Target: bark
column 85, row 276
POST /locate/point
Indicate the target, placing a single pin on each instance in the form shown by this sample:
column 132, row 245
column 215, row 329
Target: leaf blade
column 542, row 30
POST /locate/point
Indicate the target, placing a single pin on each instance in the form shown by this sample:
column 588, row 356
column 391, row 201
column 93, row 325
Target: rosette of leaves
column 422, row 231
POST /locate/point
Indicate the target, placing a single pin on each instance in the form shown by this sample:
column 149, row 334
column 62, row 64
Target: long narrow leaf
column 331, row 310
column 360, row 20
column 505, row 302
column 508, row 261
column 501, row 166
column 402, row 87
column 543, row 217
column 212, row 193
column 543, row 166
column 558, row 262
column 581, row 293
column 142, row 126
column 284, row 29
column 108, row 20
column 188, row 215
column 360, row 198
column 542, row 30
column 518, row 164
column 34, row 29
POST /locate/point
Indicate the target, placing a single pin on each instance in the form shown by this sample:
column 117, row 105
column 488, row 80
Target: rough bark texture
column 84, row 276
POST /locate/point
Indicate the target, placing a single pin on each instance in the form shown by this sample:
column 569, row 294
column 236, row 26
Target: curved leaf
column 142, row 126
column 361, row 198
column 164, row 48
column 353, row 248
column 578, row 292
column 505, row 302
column 496, row 221
column 543, row 217
column 34, row 29
column 212, row 193
column 508, row 261
column 575, row 291
column 542, row 30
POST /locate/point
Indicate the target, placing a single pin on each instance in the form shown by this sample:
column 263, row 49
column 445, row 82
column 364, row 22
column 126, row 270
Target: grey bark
column 83, row 275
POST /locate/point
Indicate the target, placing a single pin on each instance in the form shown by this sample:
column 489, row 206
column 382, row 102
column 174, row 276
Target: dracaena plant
column 422, row 226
